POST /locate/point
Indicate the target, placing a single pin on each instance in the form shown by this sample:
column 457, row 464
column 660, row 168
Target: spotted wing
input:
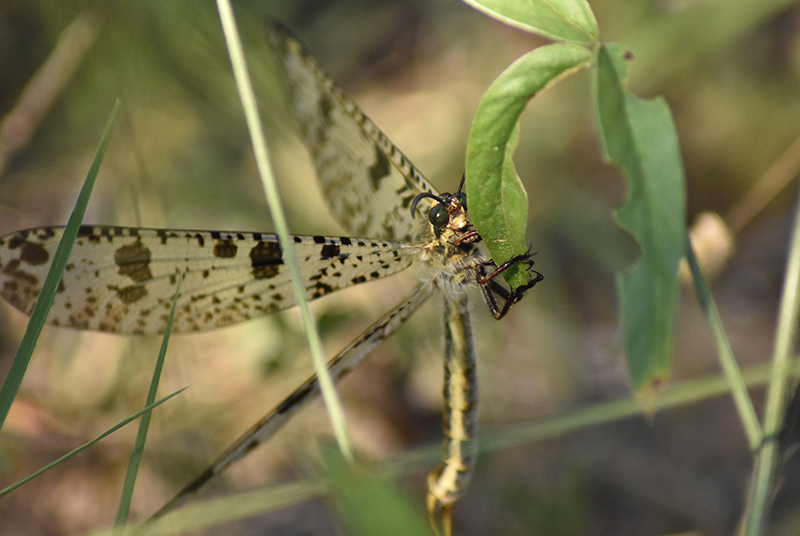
column 122, row 280
column 368, row 182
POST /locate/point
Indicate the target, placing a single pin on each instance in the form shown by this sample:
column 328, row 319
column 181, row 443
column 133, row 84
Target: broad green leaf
column 560, row 20
column 497, row 201
column 639, row 136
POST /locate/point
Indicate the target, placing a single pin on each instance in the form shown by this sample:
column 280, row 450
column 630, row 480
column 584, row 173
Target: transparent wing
column 122, row 280
column 341, row 364
column 368, row 182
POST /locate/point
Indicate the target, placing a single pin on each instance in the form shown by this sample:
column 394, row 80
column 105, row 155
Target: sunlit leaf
column 498, row 203
column 561, row 20
column 639, row 136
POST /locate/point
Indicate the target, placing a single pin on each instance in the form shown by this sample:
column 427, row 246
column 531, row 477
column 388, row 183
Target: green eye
column 462, row 199
column 438, row 216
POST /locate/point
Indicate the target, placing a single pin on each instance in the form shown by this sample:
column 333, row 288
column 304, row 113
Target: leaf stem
column 785, row 341
column 733, row 373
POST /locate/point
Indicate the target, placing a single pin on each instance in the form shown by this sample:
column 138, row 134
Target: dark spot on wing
column 133, row 261
column 379, row 170
column 325, row 108
column 33, row 253
column 320, row 289
column 265, row 258
column 329, row 250
column 297, row 398
column 200, row 482
column 130, row 294
column 20, row 288
column 225, row 249
column 252, row 444
column 85, row 230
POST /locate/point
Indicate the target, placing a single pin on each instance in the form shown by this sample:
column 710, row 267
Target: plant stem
column 747, row 414
column 785, row 341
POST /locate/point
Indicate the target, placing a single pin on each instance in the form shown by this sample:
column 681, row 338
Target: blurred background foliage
column 181, row 157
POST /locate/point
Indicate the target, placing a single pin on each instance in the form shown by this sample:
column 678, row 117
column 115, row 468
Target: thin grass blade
column 141, row 437
column 88, row 444
column 747, row 413
column 39, row 314
column 247, row 96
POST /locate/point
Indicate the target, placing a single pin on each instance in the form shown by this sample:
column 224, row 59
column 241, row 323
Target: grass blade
column 39, row 314
column 744, row 405
column 247, row 96
column 763, row 482
column 88, row 444
column 141, row 436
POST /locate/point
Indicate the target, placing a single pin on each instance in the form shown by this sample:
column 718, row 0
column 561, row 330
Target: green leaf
column 560, row 20
column 497, row 201
column 639, row 136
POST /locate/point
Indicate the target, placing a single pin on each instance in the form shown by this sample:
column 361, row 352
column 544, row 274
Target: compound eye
column 462, row 199
column 438, row 216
